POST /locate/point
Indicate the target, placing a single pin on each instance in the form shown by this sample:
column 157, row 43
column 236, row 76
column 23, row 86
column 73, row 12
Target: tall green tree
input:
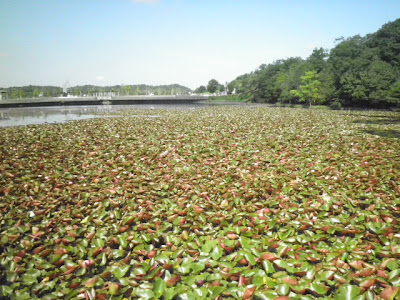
column 230, row 87
column 310, row 89
column 393, row 96
column 290, row 80
column 387, row 41
column 360, row 76
column 212, row 86
column 317, row 60
column 201, row 89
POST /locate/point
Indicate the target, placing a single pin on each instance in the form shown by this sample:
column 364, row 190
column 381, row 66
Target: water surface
column 59, row 114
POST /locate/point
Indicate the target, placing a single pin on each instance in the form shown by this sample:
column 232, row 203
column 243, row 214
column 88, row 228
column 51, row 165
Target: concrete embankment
column 124, row 100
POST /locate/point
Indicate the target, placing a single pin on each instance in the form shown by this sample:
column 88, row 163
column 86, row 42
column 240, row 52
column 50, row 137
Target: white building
column 3, row 94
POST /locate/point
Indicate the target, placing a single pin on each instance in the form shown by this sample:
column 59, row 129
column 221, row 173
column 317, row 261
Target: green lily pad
column 348, row 292
column 217, row 252
column 121, row 271
column 31, row 277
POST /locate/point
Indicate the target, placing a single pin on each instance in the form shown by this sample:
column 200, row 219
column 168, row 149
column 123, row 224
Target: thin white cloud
column 99, row 78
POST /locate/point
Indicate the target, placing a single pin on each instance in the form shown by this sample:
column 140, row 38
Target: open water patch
column 10, row 117
column 20, row 116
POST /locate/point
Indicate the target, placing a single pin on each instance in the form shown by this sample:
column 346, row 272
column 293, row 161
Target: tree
column 387, row 41
column 290, row 80
column 358, row 71
column 393, row 96
column 36, row 93
column 230, row 87
column 360, row 76
column 212, row 86
column 317, row 59
column 128, row 90
column 266, row 83
column 310, row 89
column 14, row 94
column 200, row 90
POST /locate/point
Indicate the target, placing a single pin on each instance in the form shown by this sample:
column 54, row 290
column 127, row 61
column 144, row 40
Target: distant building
column 3, row 94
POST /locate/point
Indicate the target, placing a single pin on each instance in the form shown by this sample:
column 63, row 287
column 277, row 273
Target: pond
column 58, row 114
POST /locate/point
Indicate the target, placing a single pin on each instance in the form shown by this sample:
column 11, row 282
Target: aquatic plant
column 242, row 202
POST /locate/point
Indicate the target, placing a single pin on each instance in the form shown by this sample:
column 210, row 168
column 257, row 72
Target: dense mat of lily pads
column 217, row 203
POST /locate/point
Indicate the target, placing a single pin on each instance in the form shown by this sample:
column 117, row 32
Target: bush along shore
column 214, row 203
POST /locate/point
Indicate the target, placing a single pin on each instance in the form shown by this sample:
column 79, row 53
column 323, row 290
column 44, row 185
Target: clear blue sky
column 106, row 42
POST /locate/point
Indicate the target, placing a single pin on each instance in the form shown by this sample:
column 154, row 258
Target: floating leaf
column 201, row 204
column 121, row 271
column 390, row 293
column 318, row 288
column 217, row 252
column 209, row 245
column 197, row 267
column 283, row 289
column 113, row 288
column 145, row 293
column 248, row 294
column 348, row 292
column 91, row 282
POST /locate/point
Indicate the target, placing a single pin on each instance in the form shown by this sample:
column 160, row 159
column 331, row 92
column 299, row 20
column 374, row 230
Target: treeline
column 358, row 71
column 126, row 90
column 33, row 91
column 212, row 87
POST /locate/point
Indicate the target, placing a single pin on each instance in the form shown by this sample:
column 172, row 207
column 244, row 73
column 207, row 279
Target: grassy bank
column 230, row 98
column 221, row 202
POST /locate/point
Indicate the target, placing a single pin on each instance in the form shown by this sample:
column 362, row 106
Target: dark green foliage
column 33, row 91
column 213, row 86
column 394, row 94
column 360, row 71
column 336, row 105
column 360, row 76
column 273, row 82
column 230, row 88
column 387, row 41
column 201, row 89
column 317, row 60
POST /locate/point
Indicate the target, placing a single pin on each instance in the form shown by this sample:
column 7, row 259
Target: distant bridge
column 102, row 100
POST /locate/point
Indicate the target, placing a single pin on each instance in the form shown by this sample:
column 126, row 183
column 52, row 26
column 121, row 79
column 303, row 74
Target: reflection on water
column 40, row 115
column 59, row 114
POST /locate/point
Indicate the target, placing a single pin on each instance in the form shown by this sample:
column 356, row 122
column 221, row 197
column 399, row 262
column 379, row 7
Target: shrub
column 336, row 105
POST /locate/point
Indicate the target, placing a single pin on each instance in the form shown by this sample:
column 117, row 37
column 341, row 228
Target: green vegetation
column 213, row 87
column 223, row 202
column 309, row 89
column 228, row 98
column 32, row 91
column 358, row 71
column 91, row 90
